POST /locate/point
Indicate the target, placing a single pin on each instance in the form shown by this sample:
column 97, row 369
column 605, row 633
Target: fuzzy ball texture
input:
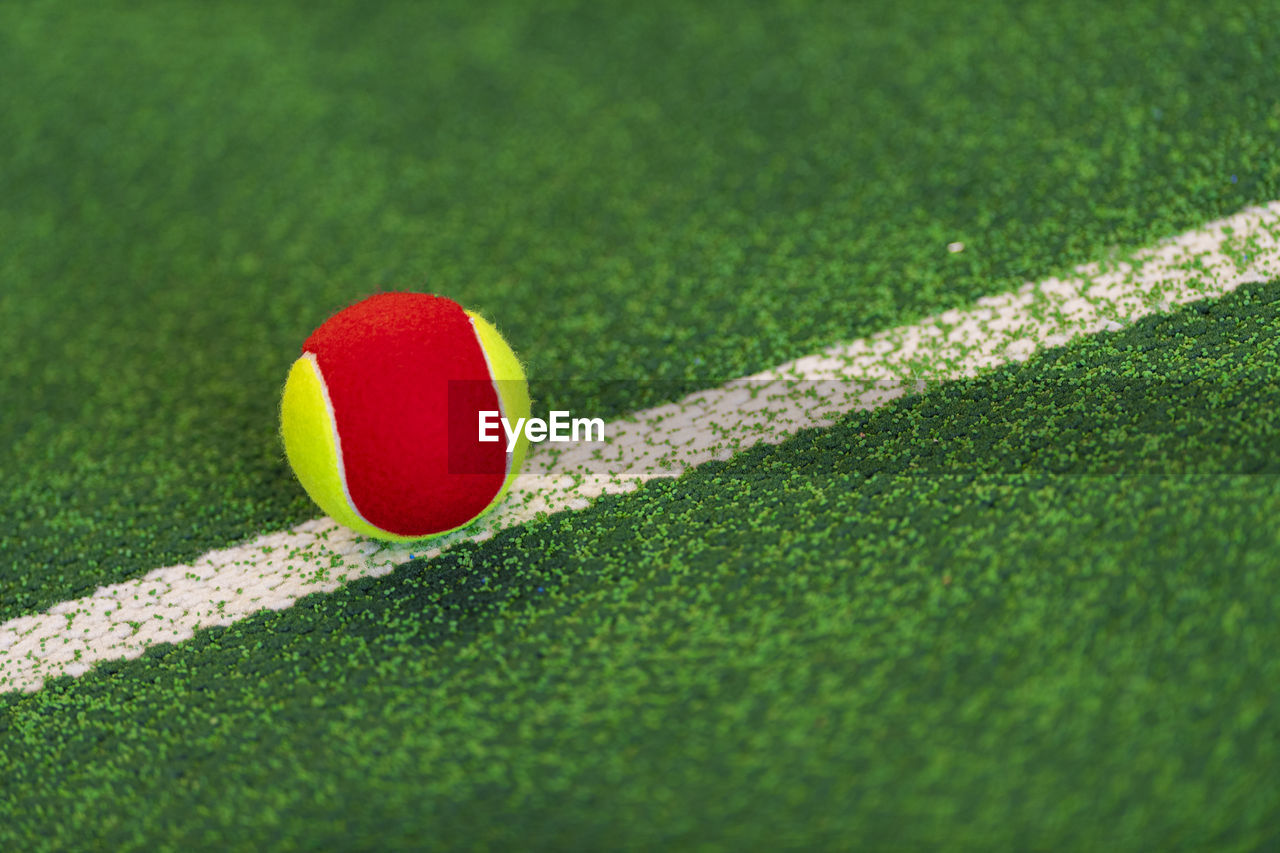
column 380, row 415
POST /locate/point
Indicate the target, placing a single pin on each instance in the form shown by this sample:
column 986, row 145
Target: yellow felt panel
column 306, row 424
column 513, row 390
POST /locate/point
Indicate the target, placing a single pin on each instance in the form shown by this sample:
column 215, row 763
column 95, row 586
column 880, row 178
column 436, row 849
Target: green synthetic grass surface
column 675, row 191
column 804, row 647
column 777, row 649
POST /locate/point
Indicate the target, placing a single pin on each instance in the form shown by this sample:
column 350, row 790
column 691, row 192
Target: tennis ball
column 380, row 415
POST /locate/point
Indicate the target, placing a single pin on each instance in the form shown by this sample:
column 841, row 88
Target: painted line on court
column 273, row 571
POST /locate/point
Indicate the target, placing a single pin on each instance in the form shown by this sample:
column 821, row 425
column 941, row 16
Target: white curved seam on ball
column 337, row 437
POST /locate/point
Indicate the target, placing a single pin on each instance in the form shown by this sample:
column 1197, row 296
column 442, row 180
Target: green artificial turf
column 652, row 192
column 1033, row 610
column 814, row 645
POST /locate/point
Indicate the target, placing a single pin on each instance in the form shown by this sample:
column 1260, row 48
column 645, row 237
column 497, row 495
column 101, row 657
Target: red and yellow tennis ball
column 380, row 415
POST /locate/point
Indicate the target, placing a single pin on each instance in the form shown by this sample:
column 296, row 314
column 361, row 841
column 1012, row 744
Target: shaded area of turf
column 672, row 191
column 809, row 646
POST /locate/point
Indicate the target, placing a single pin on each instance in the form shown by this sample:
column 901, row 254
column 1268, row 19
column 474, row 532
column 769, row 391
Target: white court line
column 169, row 604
